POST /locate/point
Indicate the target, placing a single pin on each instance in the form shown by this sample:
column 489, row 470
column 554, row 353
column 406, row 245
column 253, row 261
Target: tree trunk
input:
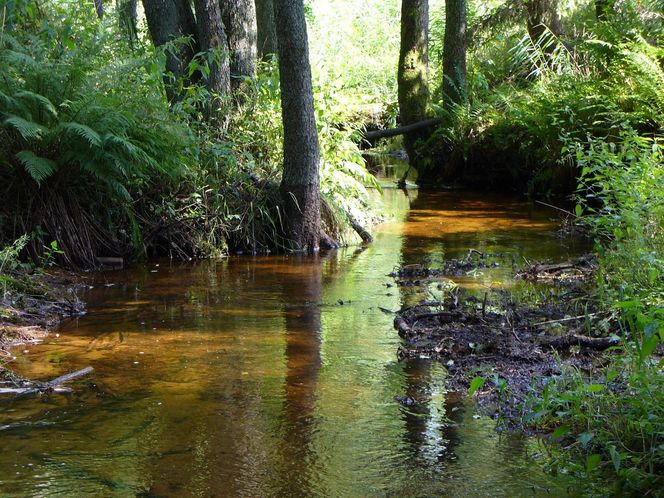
column 413, row 71
column 543, row 14
column 300, row 186
column 603, row 8
column 455, row 86
column 240, row 20
column 99, row 8
column 265, row 28
column 128, row 19
column 213, row 39
column 167, row 20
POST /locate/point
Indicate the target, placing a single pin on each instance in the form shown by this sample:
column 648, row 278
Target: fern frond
column 39, row 100
column 39, row 168
column 7, row 102
column 29, row 130
column 82, row 131
column 15, row 58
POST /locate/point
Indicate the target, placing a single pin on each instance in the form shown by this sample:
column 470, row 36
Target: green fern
column 39, row 168
column 29, row 130
column 82, row 131
column 41, row 102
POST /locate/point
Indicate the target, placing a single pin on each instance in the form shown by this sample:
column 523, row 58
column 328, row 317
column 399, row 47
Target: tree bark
column 128, row 19
column 212, row 37
column 265, row 29
column 542, row 14
column 99, row 8
column 300, row 185
column 455, row 86
column 167, row 20
column 413, row 71
column 240, row 20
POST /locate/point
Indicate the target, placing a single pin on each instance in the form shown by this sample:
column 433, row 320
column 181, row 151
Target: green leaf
column 27, row 129
column 584, row 438
column 578, row 210
column 38, row 99
column 615, row 457
column 592, row 461
column 595, row 388
column 39, row 168
column 649, row 344
column 560, row 432
column 83, row 131
column 475, row 384
column 533, row 416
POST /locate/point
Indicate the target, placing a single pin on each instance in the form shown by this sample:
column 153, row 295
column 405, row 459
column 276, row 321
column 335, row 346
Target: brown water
column 248, row 377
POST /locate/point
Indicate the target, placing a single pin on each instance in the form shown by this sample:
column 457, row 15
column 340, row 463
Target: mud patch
column 32, row 304
column 510, row 343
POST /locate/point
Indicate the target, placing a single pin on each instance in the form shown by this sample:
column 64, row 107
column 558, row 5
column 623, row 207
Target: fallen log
column 34, row 387
column 370, row 136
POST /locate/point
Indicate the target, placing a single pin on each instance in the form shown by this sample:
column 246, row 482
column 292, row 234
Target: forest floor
column 31, row 304
column 513, row 341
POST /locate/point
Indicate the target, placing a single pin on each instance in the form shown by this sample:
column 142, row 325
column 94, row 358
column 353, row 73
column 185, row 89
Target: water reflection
column 271, row 376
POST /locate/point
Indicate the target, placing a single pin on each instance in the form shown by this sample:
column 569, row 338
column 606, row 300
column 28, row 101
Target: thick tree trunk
column 265, row 28
column 213, row 38
column 167, row 20
column 300, row 186
column 240, row 20
column 413, row 71
column 455, row 86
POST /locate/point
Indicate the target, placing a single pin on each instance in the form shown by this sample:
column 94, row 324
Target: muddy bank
column 31, row 304
column 513, row 340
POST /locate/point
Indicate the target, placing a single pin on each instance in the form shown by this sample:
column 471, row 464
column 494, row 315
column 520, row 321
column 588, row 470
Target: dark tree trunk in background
column 543, row 14
column 265, row 28
column 240, row 20
column 212, row 37
column 167, row 20
column 603, row 9
column 413, row 71
column 99, row 8
column 455, row 86
column 300, row 186
column 128, row 19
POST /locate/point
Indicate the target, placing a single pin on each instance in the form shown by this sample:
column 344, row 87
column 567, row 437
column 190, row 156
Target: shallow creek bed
column 513, row 343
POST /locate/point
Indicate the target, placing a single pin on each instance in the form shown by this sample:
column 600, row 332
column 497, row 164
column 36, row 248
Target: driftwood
column 34, row 387
column 567, row 341
column 370, row 136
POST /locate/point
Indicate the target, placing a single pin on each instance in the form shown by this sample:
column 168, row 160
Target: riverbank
column 32, row 304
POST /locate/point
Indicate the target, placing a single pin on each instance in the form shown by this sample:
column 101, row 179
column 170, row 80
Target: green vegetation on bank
column 92, row 156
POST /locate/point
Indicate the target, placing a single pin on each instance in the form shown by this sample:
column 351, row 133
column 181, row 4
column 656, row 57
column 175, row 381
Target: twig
column 558, row 208
column 589, row 315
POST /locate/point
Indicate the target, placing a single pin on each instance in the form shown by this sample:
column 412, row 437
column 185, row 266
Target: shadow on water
column 274, row 375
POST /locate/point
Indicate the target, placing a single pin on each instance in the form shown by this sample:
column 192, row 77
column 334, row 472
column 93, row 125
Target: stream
column 276, row 375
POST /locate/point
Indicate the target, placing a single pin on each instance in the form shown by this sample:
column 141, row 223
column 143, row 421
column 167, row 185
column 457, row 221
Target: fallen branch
column 359, row 229
column 567, row 341
column 370, row 136
column 35, row 387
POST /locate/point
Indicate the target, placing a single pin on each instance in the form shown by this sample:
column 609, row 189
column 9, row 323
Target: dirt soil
column 512, row 345
column 31, row 304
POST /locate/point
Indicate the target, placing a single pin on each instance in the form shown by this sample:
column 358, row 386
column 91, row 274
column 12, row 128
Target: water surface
column 275, row 375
